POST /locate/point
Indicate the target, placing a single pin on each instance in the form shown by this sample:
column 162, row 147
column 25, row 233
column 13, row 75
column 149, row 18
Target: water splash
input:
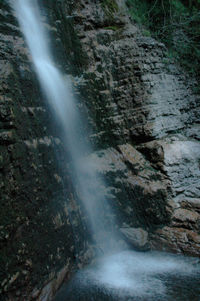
column 134, row 276
column 128, row 275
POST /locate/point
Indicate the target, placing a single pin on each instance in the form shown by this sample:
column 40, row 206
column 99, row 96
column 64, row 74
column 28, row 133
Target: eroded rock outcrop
column 179, row 161
column 136, row 95
column 145, row 122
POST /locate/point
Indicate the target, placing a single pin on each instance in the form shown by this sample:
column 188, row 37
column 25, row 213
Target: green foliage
column 110, row 7
column 113, row 27
column 174, row 22
column 146, row 33
column 138, row 10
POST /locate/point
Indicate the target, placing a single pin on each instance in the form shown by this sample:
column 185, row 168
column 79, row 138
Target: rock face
column 36, row 237
column 144, row 121
column 145, row 114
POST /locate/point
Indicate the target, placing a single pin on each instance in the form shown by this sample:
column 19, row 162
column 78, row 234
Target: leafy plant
column 174, row 22
column 110, row 7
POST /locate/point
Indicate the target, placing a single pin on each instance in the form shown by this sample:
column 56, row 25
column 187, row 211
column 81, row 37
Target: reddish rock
column 178, row 240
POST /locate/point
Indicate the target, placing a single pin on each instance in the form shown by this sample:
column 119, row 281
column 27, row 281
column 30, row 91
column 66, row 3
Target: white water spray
column 57, row 89
column 133, row 273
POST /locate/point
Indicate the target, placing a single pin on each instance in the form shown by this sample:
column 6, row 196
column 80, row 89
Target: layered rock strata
column 144, row 118
column 145, row 115
column 37, row 242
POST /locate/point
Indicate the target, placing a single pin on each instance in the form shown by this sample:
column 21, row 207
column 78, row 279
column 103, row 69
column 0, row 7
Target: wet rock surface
column 35, row 225
column 136, row 237
column 143, row 106
column 145, row 122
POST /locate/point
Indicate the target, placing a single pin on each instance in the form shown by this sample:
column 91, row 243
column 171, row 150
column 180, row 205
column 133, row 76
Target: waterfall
column 128, row 275
column 58, row 92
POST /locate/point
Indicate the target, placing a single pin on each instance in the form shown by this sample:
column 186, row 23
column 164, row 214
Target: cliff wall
column 37, row 241
column 144, row 121
column 145, row 115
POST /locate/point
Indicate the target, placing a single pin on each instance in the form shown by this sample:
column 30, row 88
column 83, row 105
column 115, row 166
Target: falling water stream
column 124, row 275
column 57, row 89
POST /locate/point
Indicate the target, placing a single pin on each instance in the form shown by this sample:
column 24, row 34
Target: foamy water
column 138, row 274
column 126, row 274
column 135, row 276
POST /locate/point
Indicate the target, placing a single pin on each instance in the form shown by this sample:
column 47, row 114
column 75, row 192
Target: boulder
column 137, row 237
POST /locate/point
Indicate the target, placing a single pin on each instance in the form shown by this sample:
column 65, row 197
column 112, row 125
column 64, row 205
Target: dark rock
column 144, row 119
column 137, row 237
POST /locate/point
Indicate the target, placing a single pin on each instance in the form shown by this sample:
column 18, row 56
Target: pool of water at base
column 136, row 276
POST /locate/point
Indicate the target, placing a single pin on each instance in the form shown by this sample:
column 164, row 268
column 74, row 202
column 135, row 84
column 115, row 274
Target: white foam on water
column 132, row 273
column 140, row 274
